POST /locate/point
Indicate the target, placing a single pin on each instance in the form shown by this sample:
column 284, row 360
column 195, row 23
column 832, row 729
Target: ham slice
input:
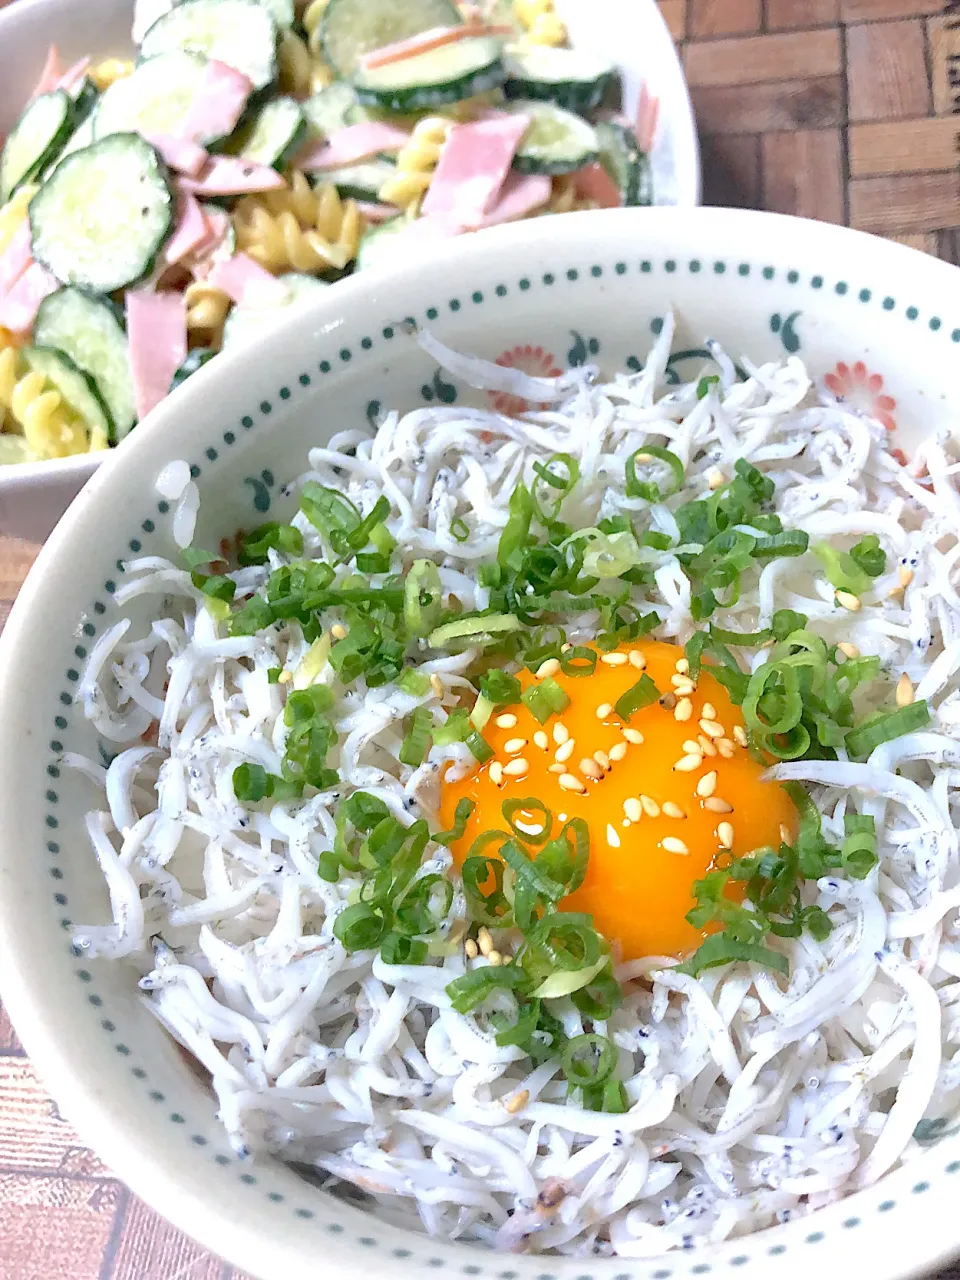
column 15, row 258
column 179, row 153
column 157, row 334
column 520, row 194
column 50, row 75
column 351, row 144
column 473, row 165
column 426, row 41
column 647, row 119
column 230, row 176
column 375, row 212
column 247, row 283
column 218, row 104
column 190, row 232
column 592, row 182
column 18, row 310
column 205, row 256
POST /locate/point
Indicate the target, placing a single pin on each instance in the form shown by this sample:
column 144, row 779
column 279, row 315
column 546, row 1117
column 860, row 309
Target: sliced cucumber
column 13, row 449
column 77, row 388
column 103, row 215
column 448, row 74
column 35, row 140
column 626, row 164
column 360, row 181
column 228, row 245
column 240, row 33
column 195, row 360
column 244, row 323
column 376, row 245
column 571, row 79
column 332, row 108
column 155, row 98
column 79, row 139
column 88, row 330
column 85, row 98
column 273, row 136
column 556, row 141
column 351, row 28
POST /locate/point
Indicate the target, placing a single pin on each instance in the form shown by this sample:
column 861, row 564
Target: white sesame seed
column 561, row 734
column 673, row 810
column 565, row 648
column 284, row 677
column 637, row 659
column 571, row 783
column 847, row 600
column 471, row 950
column 848, row 650
column 614, row 659
column 496, row 773
column 689, row 763
column 561, row 817
column 633, row 809
column 517, row 768
column 618, row 751
column 565, row 751
column 726, row 748
column 556, row 768
column 712, row 729
column 904, row 576
column 494, row 958
column 605, row 709
column 668, row 701
column 650, row 806
column 784, row 833
column 506, row 721
column 613, row 837
column 684, row 687
column 740, row 735
column 683, row 711
column 904, row 691
column 602, row 759
column 682, row 665
column 716, row 805
column 706, row 746
column 484, row 940
column 632, row 735
column 725, row 834
column 590, row 769
column 715, row 478
column 338, row 631
column 671, row 844
column 541, row 740
column 548, row 668
column 436, row 684
column 513, row 745
column 517, row 1102
column 644, row 457
column 707, row 784
column 626, row 823
column 708, row 711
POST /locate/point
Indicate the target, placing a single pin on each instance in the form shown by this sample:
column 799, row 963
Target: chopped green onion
column 650, row 491
column 490, row 907
column 461, row 816
column 642, row 694
column 365, row 811
column 331, row 513
column 382, row 539
column 529, row 808
column 414, row 682
column 562, row 941
column 564, row 861
column 194, row 557
column 425, row 905
column 719, row 949
column 578, row 661
column 791, row 542
column 884, row 728
column 397, row 948
column 869, row 556
column 588, row 1060
column 787, row 620
column 473, row 988
column 749, row 639
column 422, row 598
column 521, row 1030
column 479, row 747
column 500, row 688
column 516, row 532
column 255, row 545
column 360, row 927
column 537, row 703
column 842, row 571
column 566, row 983
column 460, row 529
column 417, row 742
column 557, row 698
column 477, row 629
column 372, row 562
column 859, row 848
column 455, row 729
column 360, row 536
column 274, row 674
column 563, row 485
column 773, row 703
column 251, row 783
column 597, row 998
column 704, row 385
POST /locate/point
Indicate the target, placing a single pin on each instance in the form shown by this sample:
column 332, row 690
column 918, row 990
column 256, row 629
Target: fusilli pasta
column 13, row 213
column 207, row 309
column 416, row 162
column 321, row 74
column 299, row 229
column 109, row 71
column 296, row 66
column 37, row 412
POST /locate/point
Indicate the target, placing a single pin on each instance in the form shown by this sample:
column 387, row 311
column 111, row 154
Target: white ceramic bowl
column 33, row 496
column 883, row 322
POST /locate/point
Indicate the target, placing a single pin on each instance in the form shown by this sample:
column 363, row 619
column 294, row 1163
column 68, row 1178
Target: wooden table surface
column 844, row 110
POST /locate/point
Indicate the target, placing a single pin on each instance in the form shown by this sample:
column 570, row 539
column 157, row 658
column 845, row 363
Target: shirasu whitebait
column 751, row 1099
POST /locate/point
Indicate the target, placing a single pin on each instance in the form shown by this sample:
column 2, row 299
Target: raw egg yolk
column 665, row 793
